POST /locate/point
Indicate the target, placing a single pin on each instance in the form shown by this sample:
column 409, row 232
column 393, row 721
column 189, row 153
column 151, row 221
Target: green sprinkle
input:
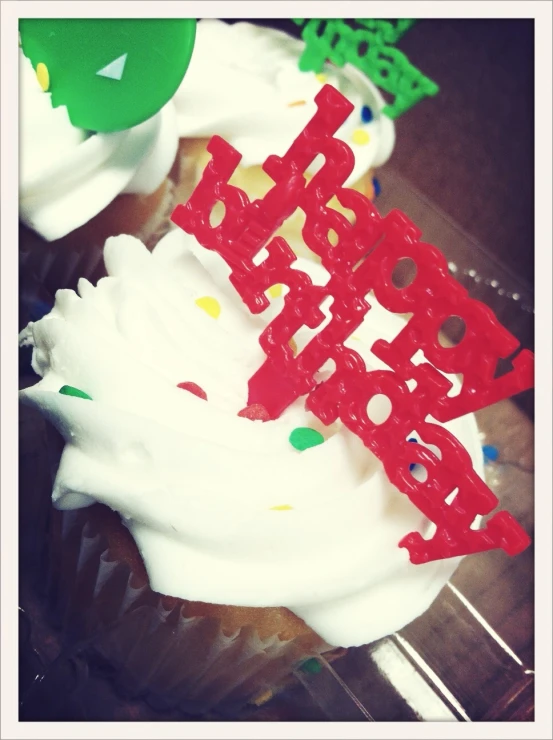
column 311, row 666
column 303, row 437
column 69, row 390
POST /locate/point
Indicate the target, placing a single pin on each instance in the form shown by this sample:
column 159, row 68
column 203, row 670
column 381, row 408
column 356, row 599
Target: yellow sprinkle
column 293, row 345
column 275, row 291
column 357, row 339
column 283, row 507
column 210, row 305
column 360, row 137
column 321, row 78
column 296, row 103
column 42, row 76
column 262, row 698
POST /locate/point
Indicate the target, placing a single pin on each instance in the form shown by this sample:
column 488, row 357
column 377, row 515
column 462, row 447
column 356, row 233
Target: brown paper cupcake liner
column 35, row 489
column 146, row 643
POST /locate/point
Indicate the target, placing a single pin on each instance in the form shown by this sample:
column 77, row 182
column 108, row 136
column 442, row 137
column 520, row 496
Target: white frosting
column 195, row 483
column 65, row 178
column 241, row 81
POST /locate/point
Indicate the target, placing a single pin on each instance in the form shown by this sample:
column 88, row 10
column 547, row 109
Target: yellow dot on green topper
column 111, row 74
column 42, row 76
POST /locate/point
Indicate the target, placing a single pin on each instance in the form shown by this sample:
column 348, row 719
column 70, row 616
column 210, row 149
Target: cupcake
column 201, row 551
column 86, row 171
column 245, row 85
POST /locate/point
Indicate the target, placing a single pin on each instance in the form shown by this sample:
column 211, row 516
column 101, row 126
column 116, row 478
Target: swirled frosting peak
column 67, row 177
column 224, row 509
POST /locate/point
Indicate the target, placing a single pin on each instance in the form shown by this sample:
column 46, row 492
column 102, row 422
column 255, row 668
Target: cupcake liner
column 144, row 641
column 62, row 263
column 40, row 449
column 35, row 488
column 57, row 266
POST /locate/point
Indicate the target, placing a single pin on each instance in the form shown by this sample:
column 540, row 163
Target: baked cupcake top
column 244, row 84
column 223, row 508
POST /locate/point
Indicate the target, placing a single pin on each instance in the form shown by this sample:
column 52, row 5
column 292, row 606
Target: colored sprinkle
column 311, row 666
column 369, row 191
column 413, row 465
column 491, row 453
column 282, row 507
column 296, row 103
column 69, row 390
column 255, row 412
column 360, row 137
column 376, row 186
column 302, row 438
column 262, row 698
column 43, row 76
column 275, row 291
column 366, row 114
column 39, row 309
column 210, row 305
column 321, row 77
column 293, row 346
column 193, row 388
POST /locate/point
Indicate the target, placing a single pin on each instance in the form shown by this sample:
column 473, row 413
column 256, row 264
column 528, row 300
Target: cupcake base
column 178, row 654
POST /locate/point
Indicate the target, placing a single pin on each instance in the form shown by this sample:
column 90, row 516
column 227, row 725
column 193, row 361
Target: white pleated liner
column 155, row 652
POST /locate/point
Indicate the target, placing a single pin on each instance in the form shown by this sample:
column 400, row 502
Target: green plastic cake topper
column 369, row 49
column 111, row 74
column 388, row 31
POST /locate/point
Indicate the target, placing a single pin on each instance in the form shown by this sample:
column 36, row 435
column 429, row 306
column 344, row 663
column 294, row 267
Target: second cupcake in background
column 78, row 187
column 98, row 139
column 244, row 84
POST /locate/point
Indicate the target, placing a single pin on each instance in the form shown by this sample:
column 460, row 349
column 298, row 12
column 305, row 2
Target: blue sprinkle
column 491, row 453
column 366, row 114
column 39, row 309
column 413, row 465
column 377, row 188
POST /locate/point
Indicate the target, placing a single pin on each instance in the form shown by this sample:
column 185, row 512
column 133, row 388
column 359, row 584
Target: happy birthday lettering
column 370, row 50
column 363, row 262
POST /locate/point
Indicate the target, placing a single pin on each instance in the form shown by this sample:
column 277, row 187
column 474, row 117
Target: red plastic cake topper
column 362, row 261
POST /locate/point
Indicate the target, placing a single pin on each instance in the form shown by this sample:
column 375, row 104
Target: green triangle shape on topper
column 114, row 70
column 148, row 57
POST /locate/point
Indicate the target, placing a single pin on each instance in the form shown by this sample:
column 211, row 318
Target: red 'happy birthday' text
column 363, row 260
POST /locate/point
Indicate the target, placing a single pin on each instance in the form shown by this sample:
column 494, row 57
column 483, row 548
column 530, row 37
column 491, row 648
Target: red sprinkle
column 255, row 412
column 193, row 388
